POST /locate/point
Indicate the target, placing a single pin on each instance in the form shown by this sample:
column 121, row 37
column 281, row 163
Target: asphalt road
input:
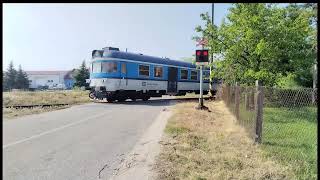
column 75, row 143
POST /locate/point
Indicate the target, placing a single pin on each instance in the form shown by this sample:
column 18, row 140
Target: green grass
column 290, row 137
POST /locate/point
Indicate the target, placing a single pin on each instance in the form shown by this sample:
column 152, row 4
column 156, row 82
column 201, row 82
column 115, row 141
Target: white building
column 61, row 79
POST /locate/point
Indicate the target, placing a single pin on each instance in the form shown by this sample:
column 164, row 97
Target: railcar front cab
column 102, row 76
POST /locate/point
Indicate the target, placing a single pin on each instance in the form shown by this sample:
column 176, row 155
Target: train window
column 109, row 67
column 206, row 75
column 96, row 53
column 123, row 68
column 183, row 74
column 194, row 75
column 143, row 70
column 96, row 67
column 158, row 71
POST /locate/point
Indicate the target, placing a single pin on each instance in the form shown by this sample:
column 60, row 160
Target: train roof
column 146, row 58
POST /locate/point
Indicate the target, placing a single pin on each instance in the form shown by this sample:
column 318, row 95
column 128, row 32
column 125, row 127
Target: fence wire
column 290, row 117
column 289, row 122
column 246, row 105
column 279, row 106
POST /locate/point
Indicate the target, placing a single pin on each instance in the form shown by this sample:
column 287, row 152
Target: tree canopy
column 22, row 81
column 13, row 79
column 263, row 42
column 81, row 75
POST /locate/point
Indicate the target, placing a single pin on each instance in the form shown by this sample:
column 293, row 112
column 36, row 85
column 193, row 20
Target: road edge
column 138, row 163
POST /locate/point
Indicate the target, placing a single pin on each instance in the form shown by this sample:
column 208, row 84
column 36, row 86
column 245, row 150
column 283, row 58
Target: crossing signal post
column 202, row 59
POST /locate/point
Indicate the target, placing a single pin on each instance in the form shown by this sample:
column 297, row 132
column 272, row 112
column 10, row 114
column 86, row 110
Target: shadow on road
column 153, row 102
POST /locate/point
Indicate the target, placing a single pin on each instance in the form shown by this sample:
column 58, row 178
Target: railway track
column 102, row 101
column 155, row 100
column 35, row 105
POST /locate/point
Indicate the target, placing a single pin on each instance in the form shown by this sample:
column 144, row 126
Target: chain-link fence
column 284, row 108
column 283, row 121
column 294, row 104
column 243, row 107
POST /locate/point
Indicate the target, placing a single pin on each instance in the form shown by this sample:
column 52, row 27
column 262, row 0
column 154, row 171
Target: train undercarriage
column 123, row 95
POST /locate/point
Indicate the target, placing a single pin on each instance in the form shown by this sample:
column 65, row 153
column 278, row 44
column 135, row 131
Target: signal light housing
column 202, row 55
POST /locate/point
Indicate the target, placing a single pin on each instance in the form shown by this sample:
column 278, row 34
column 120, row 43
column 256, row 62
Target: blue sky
column 60, row 36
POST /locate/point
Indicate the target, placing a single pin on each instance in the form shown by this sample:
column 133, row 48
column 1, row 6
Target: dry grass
column 209, row 145
column 40, row 97
column 10, row 113
column 191, row 95
column 45, row 97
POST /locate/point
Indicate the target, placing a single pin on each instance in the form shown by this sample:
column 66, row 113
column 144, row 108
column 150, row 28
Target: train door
column 123, row 75
column 172, row 80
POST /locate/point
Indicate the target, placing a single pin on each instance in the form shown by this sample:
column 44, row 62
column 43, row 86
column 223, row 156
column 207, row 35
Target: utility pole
column 211, row 61
column 314, row 84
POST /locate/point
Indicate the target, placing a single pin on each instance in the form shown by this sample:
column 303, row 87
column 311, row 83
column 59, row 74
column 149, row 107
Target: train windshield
column 96, row 67
column 97, row 53
column 104, row 67
column 109, row 67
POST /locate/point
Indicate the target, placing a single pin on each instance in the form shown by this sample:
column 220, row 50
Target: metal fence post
column 237, row 101
column 314, row 85
column 252, row 100
column 259, row 112
column 225, row 94
column 229, row 94
column 246, row 99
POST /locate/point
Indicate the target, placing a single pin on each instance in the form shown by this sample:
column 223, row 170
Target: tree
column 9, row 81
column 22, row 81
column 4, row 86
column 262, row 42
column 81, row 75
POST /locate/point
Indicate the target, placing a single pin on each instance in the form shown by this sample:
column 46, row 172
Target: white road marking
column 50, row 131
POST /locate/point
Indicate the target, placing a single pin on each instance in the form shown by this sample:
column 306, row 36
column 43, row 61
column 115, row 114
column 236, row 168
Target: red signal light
column 202, row 55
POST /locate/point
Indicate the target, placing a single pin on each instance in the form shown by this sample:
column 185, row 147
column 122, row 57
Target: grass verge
column 290, row 137
column 40, row 97
column 209, row 145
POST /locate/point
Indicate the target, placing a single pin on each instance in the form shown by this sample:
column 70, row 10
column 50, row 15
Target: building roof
column 46, row 72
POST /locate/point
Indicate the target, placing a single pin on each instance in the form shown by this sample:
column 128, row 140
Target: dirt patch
column 209, row 145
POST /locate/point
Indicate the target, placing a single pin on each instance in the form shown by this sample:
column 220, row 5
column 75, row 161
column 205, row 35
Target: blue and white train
column 117, row 75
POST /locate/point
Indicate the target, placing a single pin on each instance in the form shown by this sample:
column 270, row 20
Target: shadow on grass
column 290, row 115
column 288, row 145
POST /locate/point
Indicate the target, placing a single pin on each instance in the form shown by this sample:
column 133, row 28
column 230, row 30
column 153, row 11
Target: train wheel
column 110, row 100
column 133, row 99
column 122, row 99
column 91, row 95
column 145, row 98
